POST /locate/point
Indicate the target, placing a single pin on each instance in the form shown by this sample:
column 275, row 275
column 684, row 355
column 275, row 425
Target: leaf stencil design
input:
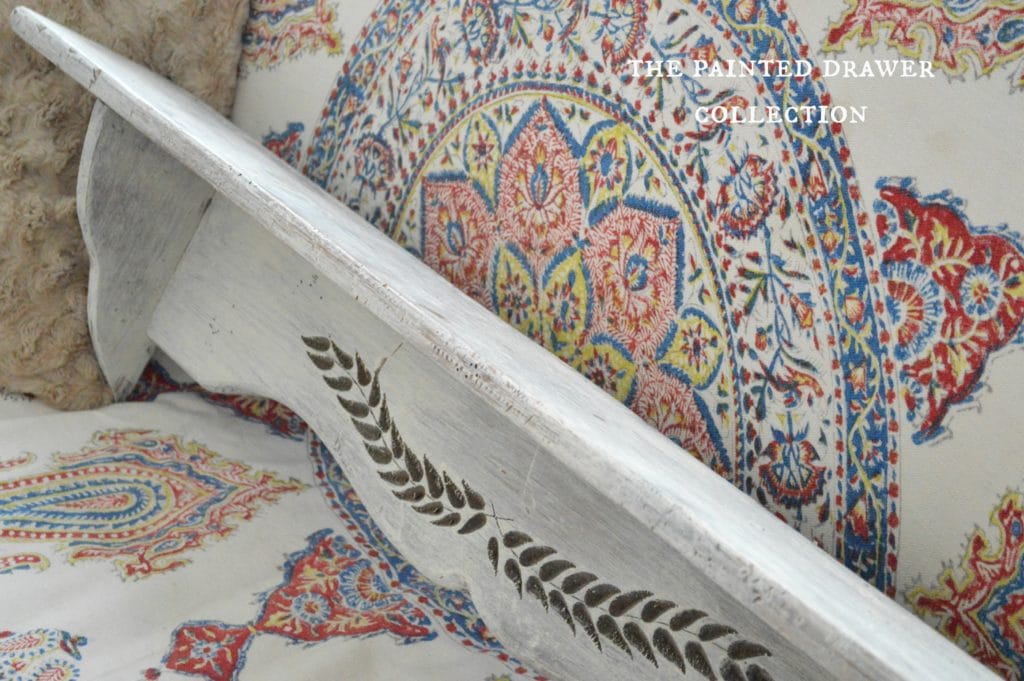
column 634, row 622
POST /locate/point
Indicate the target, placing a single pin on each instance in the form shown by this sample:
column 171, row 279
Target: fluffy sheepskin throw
column 44, row 340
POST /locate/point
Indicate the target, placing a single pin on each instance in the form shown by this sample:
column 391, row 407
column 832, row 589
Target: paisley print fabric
column 40, row 654
column 955, row 293
column 958, row 36
column 353, row 584
column 680, row 265
column 137, row 498
column 980, row 602
column 299, row 583
column 278, row 30
column 825, row 340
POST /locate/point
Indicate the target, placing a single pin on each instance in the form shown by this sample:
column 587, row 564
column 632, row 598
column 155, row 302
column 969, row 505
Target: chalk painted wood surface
column 593, row 546
column 135, row 225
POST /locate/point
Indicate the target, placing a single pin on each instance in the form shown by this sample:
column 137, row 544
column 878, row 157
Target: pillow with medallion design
column 823, row 308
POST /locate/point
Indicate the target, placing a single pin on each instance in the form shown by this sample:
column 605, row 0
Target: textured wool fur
column 44, row 340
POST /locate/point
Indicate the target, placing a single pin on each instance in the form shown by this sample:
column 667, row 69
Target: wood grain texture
column 275, row 260
column 135, row 226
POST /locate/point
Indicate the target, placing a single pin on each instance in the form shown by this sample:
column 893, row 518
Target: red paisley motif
column 981, row 280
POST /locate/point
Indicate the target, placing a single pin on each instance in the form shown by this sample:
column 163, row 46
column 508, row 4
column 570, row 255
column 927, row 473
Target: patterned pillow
column 764, row 292
column 44, row 347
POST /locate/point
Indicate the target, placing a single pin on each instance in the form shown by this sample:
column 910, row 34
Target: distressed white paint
column 275, row 259
column 135, row 225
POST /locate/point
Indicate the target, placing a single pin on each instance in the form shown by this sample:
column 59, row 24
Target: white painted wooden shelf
column 590, row 543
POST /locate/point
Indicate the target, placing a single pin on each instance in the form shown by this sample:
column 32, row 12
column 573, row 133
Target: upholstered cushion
column 44, row 340
column 805, row 306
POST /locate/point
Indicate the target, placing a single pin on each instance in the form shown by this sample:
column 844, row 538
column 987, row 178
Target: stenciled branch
column 635, row 621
